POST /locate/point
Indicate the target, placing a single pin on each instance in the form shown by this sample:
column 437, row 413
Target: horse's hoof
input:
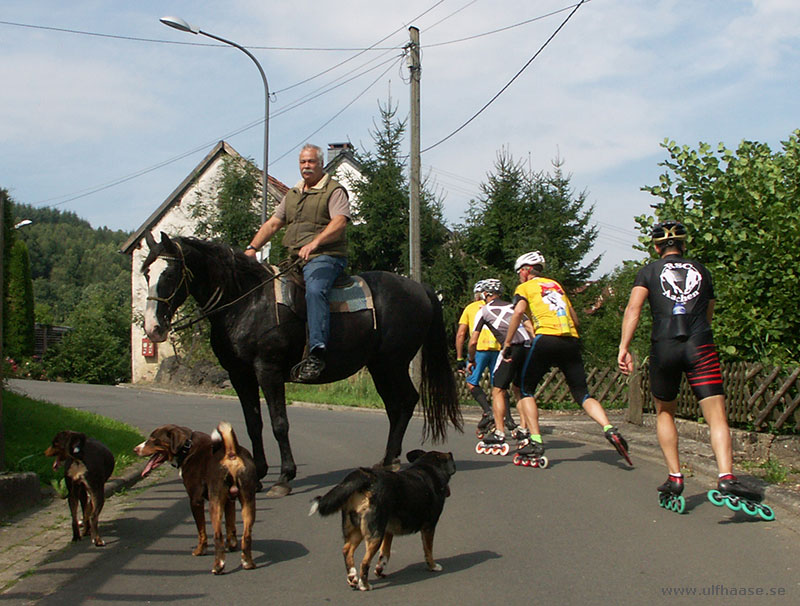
column 281, row 489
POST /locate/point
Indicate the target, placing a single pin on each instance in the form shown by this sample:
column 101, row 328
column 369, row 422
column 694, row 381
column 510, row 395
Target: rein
column 205, row 312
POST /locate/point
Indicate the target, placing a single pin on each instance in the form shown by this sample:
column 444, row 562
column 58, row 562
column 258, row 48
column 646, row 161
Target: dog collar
column 181, row 455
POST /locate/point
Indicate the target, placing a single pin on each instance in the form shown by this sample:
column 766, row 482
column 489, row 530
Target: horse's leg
column 246, row 386
column 399, row 397
column 275, row 392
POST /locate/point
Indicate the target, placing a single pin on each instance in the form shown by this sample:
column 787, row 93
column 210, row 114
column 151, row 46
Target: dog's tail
column 356, row 481
column 231, row 461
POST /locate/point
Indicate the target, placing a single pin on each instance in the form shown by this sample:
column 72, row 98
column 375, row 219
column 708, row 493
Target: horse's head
column 168, row 285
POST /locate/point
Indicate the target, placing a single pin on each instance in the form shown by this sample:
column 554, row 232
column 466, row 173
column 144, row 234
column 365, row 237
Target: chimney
column 334, row 149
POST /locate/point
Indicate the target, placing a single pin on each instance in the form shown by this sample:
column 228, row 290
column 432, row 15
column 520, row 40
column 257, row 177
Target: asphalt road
column 587, row 530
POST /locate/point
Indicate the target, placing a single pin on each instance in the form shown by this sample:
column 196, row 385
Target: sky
column 104, row 110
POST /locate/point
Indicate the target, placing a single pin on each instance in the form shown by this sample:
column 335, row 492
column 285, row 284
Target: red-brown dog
column 213, row 467
column 87, row 466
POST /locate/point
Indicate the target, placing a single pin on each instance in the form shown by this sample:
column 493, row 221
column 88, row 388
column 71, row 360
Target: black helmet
column 668, row 232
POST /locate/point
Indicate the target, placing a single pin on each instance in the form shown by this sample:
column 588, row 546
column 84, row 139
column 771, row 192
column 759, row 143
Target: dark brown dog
column 87, row 466
column 377, row 504
column 213, row 467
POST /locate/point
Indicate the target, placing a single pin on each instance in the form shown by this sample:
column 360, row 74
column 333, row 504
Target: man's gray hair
column 317, row 150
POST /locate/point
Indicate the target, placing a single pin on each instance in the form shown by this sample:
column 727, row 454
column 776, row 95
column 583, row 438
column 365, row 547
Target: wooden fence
column 764, row 398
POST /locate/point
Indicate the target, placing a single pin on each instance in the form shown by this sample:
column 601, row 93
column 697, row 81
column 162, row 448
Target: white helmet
column 492, row 286
column 478, row 288
column 529, row 258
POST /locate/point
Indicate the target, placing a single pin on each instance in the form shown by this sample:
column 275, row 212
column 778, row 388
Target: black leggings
column 565, row 353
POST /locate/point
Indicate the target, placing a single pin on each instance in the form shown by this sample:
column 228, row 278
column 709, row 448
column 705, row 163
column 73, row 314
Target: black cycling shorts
column 563, row 352
column 506, row 372
column 697, row 357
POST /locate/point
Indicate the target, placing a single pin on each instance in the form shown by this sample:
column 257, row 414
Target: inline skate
column 738, row 497
column 669, row 494
column 493, row 443
column 617, row 441
column 530, row 453
column 485, row 425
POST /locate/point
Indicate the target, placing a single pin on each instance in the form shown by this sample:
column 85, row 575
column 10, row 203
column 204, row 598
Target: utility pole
column 2, row 295
column 414, row 248
column 414, row 252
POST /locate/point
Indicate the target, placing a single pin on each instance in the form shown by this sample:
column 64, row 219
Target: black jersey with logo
column 677, row 285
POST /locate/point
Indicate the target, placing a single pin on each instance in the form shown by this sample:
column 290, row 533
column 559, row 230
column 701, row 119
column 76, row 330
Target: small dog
column 213, row 467
column 87, row 466
column 377, row 504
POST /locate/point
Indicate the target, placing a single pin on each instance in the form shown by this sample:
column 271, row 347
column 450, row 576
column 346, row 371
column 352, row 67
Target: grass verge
column 29, row 426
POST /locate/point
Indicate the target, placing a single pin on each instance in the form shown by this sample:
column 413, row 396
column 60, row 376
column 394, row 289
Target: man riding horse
column 316, row 212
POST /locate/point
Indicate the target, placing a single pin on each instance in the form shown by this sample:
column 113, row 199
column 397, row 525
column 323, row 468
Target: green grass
column 357, row 390
column 29, row 426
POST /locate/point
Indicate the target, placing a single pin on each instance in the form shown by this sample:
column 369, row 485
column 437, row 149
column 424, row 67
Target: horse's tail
column 438, row 386
column 332, row 501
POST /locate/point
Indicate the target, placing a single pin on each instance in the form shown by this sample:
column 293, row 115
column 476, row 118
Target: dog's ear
column 413, row 455
column 177, row 436
column 77, row 442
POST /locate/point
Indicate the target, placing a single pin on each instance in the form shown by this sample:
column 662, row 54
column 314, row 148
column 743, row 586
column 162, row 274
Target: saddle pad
column 355, row 296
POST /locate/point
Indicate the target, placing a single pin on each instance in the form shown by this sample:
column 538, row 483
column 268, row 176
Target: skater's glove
column 461, row 364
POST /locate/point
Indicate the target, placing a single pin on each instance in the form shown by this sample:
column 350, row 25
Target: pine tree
column 19, row 334
column 379, row 233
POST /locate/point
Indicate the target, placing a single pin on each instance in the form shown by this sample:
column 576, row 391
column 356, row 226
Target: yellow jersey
column 548, row 306
column 486, row 340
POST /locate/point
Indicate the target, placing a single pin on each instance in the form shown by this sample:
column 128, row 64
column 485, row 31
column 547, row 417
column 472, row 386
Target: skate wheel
column 679, row 506
column 479, row 434
column 733, row 503
column 503, row 451
column 543, row 462
column 750, row 509
column 766, row 513
column 715, row 496
column 479, row 448
column 662, row 501
column 517, row 460
column 526, row 462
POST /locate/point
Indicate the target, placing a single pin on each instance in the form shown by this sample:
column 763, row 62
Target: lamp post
column 180, row 24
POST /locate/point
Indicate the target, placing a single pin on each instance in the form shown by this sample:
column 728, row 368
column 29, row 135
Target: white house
column 174, row 217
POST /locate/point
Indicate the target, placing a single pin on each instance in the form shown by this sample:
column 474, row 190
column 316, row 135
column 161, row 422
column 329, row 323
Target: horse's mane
column 226, row 266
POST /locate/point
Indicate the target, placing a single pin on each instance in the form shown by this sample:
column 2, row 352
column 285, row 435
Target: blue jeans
column 320, row 273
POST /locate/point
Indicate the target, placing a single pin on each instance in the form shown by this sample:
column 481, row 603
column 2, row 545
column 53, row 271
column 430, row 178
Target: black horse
column 258, row 342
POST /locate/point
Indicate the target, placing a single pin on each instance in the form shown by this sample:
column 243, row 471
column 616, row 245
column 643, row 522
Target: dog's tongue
column 156, row 460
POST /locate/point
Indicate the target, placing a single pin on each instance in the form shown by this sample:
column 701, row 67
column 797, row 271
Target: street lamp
column 23, row 223
column 180, row 24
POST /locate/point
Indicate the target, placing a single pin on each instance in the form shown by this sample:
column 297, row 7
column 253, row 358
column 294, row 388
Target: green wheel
column 766, row 513
column 733, row 503
column 715, row 496
column 750, row 509
column 679, row 505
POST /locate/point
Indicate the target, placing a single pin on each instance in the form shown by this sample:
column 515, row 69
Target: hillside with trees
column 62, row 271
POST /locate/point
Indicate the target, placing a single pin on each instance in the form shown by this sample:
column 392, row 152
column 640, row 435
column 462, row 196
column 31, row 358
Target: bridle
column 186, row 276
column 210, row 306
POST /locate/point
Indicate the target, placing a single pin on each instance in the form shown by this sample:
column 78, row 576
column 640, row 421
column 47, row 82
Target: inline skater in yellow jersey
column 486, row 356
column 556, row 342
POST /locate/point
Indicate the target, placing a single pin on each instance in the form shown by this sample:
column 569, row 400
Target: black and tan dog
column 87, row 466
column 377, row 504
column 214, row 468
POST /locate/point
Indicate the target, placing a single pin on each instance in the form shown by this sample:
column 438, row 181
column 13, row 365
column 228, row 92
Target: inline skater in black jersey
column 681, row 297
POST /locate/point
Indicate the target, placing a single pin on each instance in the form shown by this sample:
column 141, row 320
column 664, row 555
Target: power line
column 95, row 189
column 502, row 90
column 505, row 28
column 337, row 114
